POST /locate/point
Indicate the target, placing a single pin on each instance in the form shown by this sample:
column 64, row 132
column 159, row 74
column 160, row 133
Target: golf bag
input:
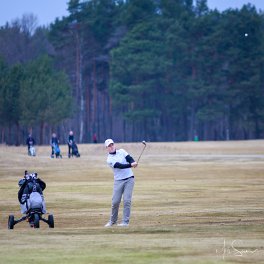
column 30, row 195
column 35, row 201
column 75, row 150
column 32, row 151
column 56, row 150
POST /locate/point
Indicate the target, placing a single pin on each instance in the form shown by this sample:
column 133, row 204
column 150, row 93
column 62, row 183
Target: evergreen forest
column 154, row 70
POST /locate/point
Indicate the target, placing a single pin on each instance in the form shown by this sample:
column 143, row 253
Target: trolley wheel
column 36, row 220
column 11, row 222
column 51, row 221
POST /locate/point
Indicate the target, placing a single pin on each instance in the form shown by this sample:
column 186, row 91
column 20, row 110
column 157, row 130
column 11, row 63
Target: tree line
column 158, row 70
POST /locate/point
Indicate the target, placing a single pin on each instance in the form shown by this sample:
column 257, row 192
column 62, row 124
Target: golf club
column 145, row 144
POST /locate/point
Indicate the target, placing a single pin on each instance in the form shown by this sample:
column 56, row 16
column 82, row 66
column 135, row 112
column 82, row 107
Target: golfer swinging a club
column 121, row 162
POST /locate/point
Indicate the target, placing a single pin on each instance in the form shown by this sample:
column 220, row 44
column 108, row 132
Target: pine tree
column 45, row 95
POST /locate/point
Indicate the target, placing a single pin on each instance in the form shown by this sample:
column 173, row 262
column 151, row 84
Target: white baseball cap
column 108, row 142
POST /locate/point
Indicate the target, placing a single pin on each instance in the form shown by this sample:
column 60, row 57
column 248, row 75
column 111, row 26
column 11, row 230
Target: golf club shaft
column 141, row 153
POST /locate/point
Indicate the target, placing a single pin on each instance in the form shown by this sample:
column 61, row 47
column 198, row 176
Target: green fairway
column 193, row 202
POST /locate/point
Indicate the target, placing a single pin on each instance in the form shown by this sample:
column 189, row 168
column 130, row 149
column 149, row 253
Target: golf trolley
column 75, row 151
column 32, row 203
column 33, row 216
column 32, row 151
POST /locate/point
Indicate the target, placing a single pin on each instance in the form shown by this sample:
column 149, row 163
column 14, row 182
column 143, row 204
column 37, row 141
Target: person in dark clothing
column 71, row 140
column 30, row 142
column 94, row 138
column 54, row 143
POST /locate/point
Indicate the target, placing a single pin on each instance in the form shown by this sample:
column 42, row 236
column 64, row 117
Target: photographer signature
column 233, row 250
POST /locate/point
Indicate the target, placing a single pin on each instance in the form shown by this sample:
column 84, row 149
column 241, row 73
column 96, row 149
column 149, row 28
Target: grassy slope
column 189, row 198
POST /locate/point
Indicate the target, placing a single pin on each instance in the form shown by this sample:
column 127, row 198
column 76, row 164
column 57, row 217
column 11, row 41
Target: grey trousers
column 125, row 188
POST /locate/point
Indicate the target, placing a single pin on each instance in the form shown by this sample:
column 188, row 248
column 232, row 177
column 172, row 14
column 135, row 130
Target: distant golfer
column 121, row 162
column 70, row 143
column 30, row 143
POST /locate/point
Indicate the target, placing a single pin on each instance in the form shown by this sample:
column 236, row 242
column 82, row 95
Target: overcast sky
column 45, row 10
column 225, row 4
column 48, row 10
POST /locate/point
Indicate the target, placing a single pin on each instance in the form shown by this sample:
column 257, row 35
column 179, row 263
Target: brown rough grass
column 194, row 202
